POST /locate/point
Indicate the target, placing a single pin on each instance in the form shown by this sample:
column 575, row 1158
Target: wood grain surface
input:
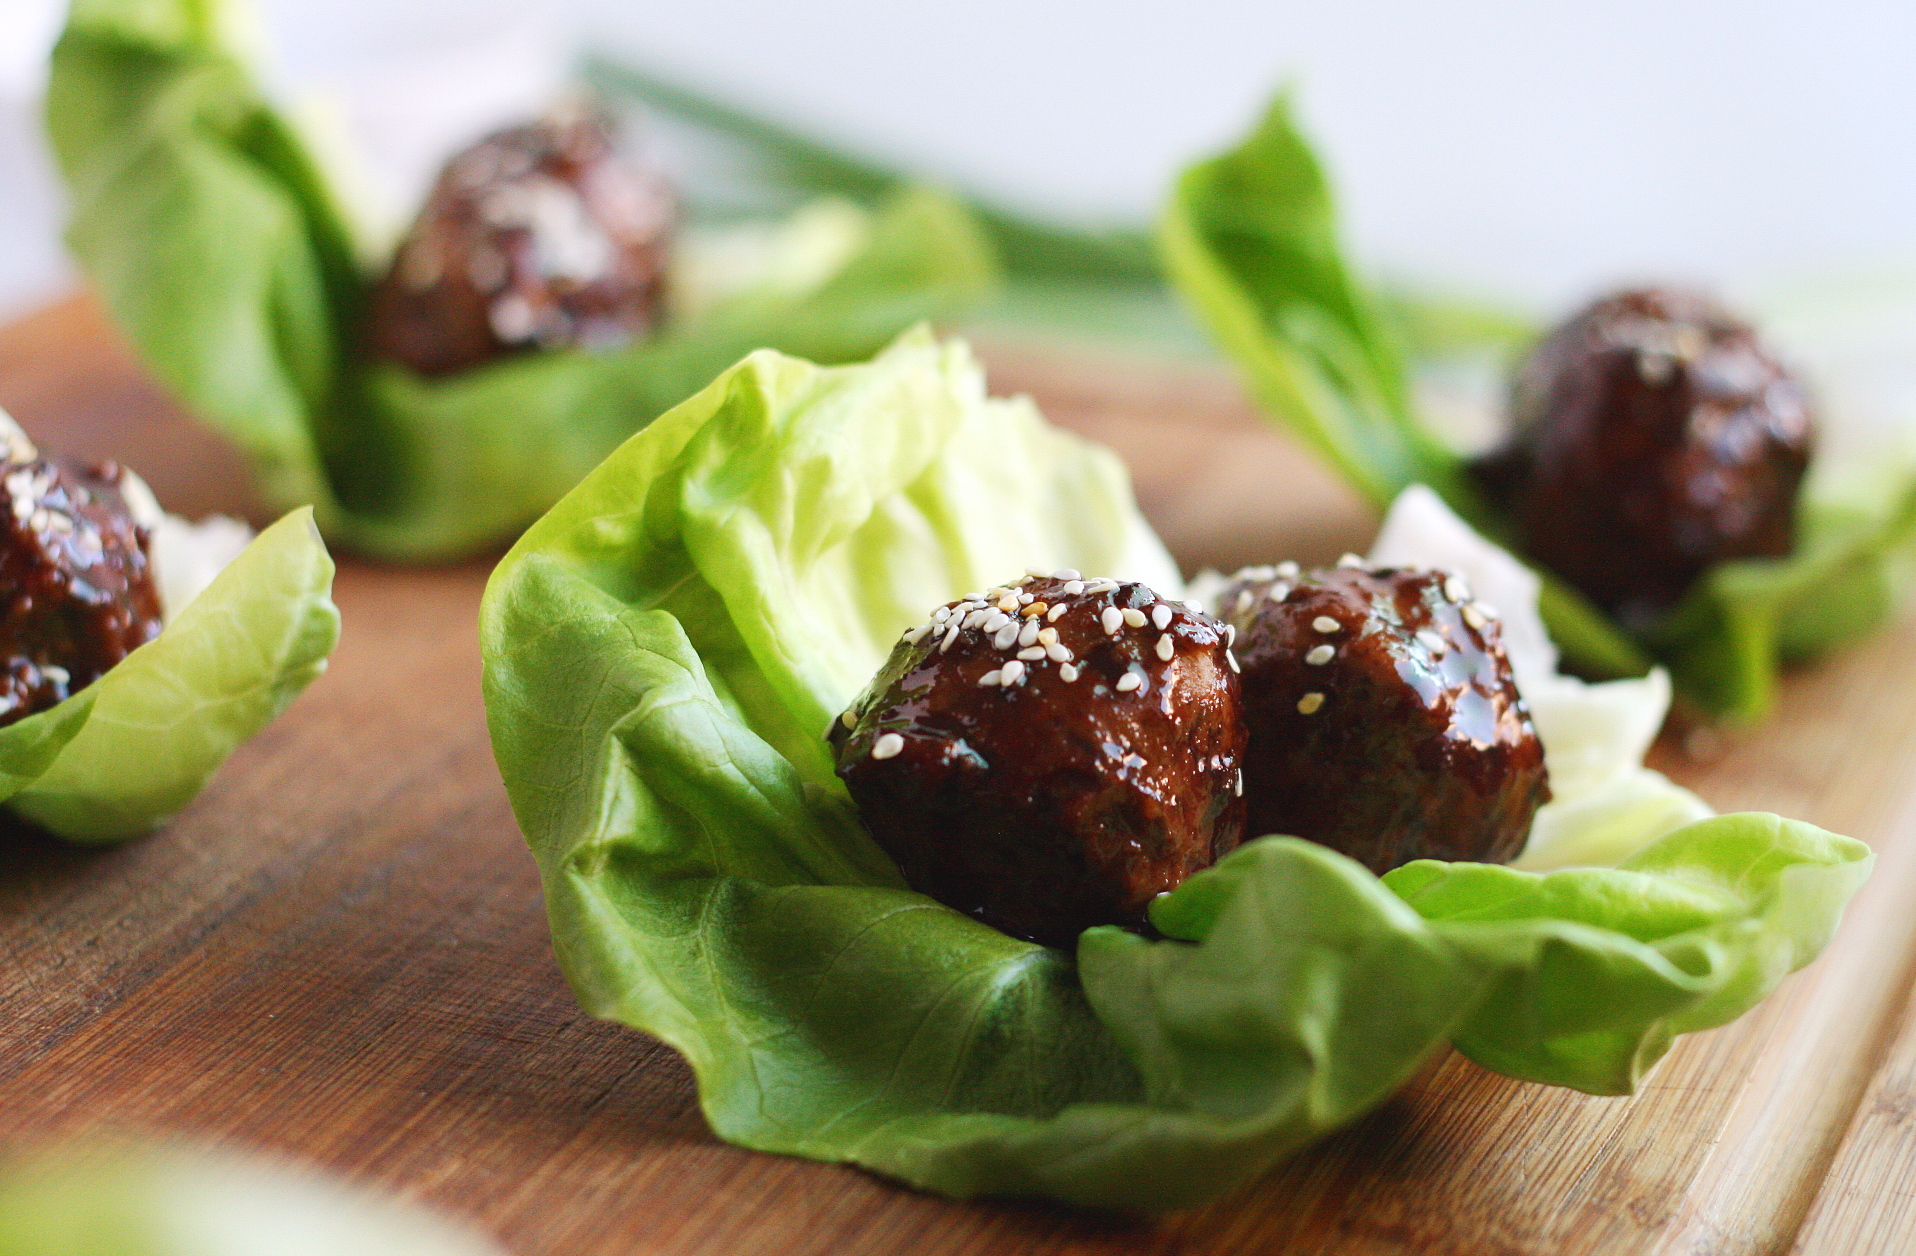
column 339, row 953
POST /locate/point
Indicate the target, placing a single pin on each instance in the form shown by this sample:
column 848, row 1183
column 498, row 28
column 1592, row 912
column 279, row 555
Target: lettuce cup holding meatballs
column 877, row 757
column 138, row 650
column 1656, row 463
column 433, row 384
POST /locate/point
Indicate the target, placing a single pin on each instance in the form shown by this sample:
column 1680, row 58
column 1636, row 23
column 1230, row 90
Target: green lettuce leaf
column 1250, row 239
column 127, row 752
column 162, row 1200
column 212, row 236
column 662, row 654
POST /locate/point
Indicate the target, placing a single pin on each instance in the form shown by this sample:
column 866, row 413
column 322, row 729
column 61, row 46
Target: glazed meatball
column 1654, row 437
column 1384, row 719
column 77, row 594
column 539, row 236
column 1051, row 754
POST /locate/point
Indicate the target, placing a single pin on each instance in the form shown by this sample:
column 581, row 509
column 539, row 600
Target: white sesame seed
column 1112, row 619
column 975, row 597
column 914, row 635
column 1013, row 672
column 1238, row 789
column 1474, row 617
column 973, row 620
column 1128, row 682
column 1244, row 600
column 58, row 675
column 1161, row 615
column 887, row 746
column 1025, row 599
column 1230, row 656
column 1067, row 673
column 1230, row 634
column 1320, row 655
column 1031, row 654
column 38, row 521
column 990, row 678
column 1101, row 587
column 1308, row 704
column 951, row 635
column 1057, row 652
column 1456, row 590
column 1287, row 570
column 1047, row 636
column 994, row 621
column 1035, row 573
column 940, row 615
column 1166, row 647
column 1488, row 611
column 1051, row 616
column 848, row 719
column 1028, row 635
column 1433, row 641
column 1324, row 623
column 1006, row 637
column 1133, row 617
column 1065, row 573
column 1350, row 560
column 1279, row 592
column 1009, row 603
column 1194, row 606
column 1073, row 588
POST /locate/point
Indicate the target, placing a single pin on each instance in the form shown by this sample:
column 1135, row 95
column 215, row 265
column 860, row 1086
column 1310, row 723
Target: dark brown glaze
column 542, row 236
column 1051, row 804
column 1385, row 722
column 76, row 591
column 1654, row 437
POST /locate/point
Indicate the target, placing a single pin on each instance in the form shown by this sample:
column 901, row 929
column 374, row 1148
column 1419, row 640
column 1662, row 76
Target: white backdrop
column 1533, row 151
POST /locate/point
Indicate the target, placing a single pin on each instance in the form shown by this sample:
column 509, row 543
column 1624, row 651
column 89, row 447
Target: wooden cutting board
column 339, row 953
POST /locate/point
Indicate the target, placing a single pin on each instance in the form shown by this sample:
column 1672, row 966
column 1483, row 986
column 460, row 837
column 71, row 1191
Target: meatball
column 1654, row 437
column 1052, row 754
column 77, row 594
column 1384, row 719
column 542, row 235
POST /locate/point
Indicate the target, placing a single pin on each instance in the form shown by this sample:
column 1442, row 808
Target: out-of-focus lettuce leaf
column 156, row 1200
column 135, row 746
column 213, row 238
column 1250, row 239
column 663, row 652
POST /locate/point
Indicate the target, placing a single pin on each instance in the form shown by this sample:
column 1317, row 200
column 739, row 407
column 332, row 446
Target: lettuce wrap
column 1250, row 239
column 217, row 241
column 663, row 651
column 249, row 623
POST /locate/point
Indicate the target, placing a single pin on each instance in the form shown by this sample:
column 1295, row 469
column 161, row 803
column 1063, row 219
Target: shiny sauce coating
column 540, row 236
column 77, row 594
column 1654, row 437
column 1051, row 754
column 1384, row 719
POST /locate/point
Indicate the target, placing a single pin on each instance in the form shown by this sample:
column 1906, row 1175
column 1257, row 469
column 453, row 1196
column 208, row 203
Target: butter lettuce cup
column 677, row 653
column 139, row 650
column 431, row 391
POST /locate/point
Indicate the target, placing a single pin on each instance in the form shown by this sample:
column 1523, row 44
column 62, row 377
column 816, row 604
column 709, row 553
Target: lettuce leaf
column 165, row 1200
column 127, row 752
column 665, row 647
column 212, row 236
column 1250, row 239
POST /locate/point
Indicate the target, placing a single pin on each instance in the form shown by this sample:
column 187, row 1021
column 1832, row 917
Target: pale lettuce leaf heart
column 128, row 751
column 1605, row 805
column 662, row 654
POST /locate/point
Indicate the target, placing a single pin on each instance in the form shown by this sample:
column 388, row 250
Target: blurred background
column 1524, row 153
